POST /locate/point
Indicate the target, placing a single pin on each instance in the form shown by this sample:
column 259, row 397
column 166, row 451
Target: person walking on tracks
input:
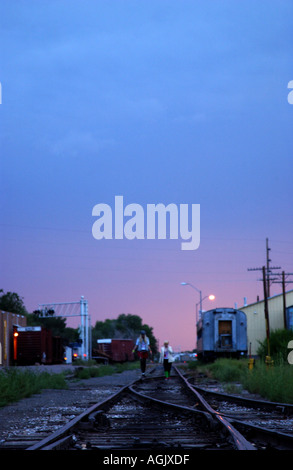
column 166, row 358
column 143, row 349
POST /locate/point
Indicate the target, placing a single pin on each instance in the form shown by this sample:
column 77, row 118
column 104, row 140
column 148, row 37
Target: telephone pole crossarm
column 284, row 281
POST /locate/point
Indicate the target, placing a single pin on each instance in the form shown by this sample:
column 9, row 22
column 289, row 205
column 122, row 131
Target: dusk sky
column 178, row 101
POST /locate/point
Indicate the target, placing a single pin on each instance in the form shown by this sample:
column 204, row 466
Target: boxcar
column 222, row 332
column 37, row 345
column 117, row 350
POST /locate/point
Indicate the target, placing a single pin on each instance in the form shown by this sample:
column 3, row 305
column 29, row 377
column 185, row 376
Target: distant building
column 8, row 325
column 256, row 326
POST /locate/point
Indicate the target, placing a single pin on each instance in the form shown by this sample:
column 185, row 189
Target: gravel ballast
column 51, row 409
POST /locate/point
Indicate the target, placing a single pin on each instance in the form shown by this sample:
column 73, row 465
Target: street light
column 211, row 297
column 200, row 295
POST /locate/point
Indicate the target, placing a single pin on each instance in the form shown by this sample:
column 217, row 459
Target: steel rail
column 275, row 439
column 285, row 408
column 62, row 438
column 203, row 415
column 64, row 430
column 255, row 432
column 240, row 442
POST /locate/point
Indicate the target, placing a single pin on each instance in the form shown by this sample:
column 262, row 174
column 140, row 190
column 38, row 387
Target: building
column 256, row 325
column 8, row 325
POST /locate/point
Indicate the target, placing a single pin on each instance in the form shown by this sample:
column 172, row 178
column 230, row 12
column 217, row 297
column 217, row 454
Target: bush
column 279, row 340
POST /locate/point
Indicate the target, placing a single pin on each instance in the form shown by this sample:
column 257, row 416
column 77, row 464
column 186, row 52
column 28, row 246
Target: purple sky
column 161, row 102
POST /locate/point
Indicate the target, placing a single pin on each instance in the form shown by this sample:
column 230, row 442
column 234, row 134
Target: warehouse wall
column 7, row 322
column 256, row 327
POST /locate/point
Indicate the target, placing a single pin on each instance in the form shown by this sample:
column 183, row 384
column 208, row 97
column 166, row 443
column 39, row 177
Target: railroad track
column 158, row 415
column 132, row 419
column 269, row 425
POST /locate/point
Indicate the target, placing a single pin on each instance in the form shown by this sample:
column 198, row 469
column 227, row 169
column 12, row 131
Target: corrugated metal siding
column 256, row 329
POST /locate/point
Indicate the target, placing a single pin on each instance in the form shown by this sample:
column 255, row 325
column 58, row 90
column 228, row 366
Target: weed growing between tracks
column 16, row 384
column 272, row 383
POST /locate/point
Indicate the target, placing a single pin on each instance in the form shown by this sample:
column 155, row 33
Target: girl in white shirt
column 166, row 358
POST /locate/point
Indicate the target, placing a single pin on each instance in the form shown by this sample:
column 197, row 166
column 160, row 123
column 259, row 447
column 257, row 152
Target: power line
column 267, row 279
column 284, row 281
column 268, row 270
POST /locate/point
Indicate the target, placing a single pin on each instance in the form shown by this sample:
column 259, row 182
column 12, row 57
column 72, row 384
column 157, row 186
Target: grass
column 16, row 384
column 228, row 370
column 272, row 383
column 101, row 370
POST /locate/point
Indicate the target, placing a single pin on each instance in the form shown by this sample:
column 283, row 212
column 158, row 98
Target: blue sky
column 161, row 102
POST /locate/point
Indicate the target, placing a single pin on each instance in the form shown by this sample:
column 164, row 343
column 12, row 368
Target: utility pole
column 283, row 281
column 268, row 270
column 267, row 279
column 284, row 299
column 266, row 308
column 268, row 267
column 268, row 360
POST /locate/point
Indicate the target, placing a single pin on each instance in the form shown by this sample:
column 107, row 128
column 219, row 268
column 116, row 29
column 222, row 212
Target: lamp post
column 200, row 296
column 211, row 297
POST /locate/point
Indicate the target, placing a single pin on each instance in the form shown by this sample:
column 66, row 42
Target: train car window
column 225, row 327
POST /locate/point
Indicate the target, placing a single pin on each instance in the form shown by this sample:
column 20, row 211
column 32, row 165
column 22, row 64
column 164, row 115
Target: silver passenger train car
column 221, row 332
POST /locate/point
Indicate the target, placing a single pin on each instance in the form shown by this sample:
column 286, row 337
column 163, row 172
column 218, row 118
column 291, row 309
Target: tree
column 12, row 302
column 56, row 324
column 125, row 326
column 128, row 324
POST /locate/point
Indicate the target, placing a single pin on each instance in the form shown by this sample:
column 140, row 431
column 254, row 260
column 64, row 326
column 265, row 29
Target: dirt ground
column 51, row 409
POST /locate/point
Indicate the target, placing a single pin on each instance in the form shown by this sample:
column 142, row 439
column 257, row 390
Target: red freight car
column 118, row 350
column 37, row 345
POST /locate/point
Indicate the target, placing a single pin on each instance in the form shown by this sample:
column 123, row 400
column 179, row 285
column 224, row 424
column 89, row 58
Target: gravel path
column 53, row 408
